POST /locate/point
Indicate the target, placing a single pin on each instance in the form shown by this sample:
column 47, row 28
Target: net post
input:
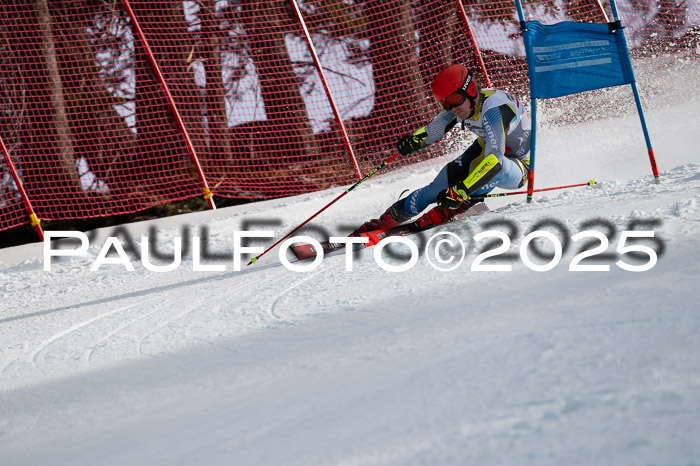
column 472, row 39
column 326, row 88
column 601, row 10
column 171, row 103
column 33, row 218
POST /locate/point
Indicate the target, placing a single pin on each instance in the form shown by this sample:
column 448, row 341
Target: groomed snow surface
column 267, row 366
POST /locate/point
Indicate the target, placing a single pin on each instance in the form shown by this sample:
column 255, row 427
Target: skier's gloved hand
column 451, row 198
column 411, row 142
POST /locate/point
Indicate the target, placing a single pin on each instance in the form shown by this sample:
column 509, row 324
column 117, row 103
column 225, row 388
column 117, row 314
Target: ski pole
column 382, row 165
column 484, row 196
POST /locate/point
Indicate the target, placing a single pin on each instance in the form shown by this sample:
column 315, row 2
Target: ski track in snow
column 295, row 286
column 103, row 341
column 44, row 345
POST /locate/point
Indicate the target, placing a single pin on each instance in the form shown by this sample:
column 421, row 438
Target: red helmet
column 453, row 79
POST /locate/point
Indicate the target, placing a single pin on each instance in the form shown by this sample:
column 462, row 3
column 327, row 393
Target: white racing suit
column 499, row 157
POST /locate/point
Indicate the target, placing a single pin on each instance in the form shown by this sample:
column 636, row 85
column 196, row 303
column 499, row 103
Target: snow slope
column 271, row 366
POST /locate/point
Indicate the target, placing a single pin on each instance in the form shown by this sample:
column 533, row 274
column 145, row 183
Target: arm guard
column 495, row 137
column 437, row 128
column 484, row 172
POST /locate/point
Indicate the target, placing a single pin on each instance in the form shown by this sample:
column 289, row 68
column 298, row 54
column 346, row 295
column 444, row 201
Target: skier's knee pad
column 513, row 174
column 524, row 170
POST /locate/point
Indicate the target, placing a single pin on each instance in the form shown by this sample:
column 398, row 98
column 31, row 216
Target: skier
column 499, row 157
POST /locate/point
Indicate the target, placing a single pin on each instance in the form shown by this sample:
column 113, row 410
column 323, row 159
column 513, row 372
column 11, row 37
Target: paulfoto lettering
column 444, row 251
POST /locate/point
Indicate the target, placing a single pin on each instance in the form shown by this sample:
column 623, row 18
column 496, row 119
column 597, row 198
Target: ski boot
column 393, row 217
column 439, row 215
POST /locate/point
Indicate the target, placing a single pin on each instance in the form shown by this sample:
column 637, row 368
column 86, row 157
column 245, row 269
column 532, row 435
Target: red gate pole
column 472, row 39
column 25, row 199
column 171, row 103
column 326, row 87
column 601, row 10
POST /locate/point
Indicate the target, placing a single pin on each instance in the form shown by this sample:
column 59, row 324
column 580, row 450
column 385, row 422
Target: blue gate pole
column 533, row 110
column 640, row 111
column 533, row 144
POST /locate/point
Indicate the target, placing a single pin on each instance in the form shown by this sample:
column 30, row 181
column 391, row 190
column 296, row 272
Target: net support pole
column 207, row 194
column 33, row 219
column 327, row 89
column 601, row 10
column 640, row 111
column 472, row 40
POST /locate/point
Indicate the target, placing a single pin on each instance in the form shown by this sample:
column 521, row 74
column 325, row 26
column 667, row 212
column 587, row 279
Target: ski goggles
column 453, row 100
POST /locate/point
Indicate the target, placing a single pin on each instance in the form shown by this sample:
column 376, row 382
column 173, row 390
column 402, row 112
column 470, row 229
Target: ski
column 425, row 222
